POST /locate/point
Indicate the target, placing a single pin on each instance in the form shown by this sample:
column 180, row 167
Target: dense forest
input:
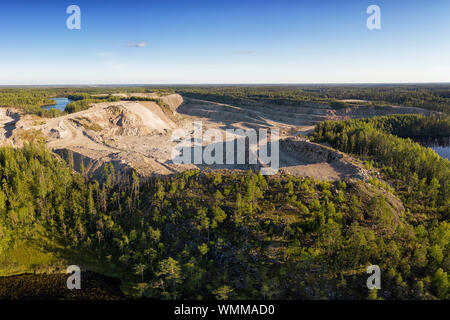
column 413, row 125
column 235, row 235
column 411, row 167
column 408, row 125
column 28, row 100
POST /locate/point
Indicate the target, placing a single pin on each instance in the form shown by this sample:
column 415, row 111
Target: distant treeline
column 407, row 125
column 84, row 101
column 31, row 100
column 245, row 95
column 431, row 97
column 436, row 98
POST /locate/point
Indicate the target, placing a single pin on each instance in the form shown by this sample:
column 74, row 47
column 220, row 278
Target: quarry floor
column 139, row 134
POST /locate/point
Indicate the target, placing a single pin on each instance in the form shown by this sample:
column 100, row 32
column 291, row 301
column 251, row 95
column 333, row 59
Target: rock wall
column 313, row 153
column 94, row 167
column 310, row 152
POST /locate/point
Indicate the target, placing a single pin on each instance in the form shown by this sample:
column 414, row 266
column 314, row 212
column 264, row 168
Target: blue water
column 60, row 104
column 444, row 152
column 440, row 145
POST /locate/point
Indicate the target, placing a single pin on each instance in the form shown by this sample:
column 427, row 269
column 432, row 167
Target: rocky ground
column 138, row 134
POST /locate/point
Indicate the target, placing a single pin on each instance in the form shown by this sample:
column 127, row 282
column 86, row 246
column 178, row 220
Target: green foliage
column 243, row 235
column 32, row 100
column 80, row 105
column 421, row 176
column 285, row 234
column 432, row 97
column 29, row 100
column 339, row 104
column 223, row 293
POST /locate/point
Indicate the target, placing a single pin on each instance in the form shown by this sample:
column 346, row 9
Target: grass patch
column 165, row 107
column 38, row 123
column 85, row 123
column 31, row 135
column 26, row 257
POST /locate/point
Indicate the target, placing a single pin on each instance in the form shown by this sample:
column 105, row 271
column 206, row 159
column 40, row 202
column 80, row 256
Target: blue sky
column 215, row 41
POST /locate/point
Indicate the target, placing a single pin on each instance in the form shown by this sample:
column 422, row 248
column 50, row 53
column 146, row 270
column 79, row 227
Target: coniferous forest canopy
column 434, row 97
column 241, row 235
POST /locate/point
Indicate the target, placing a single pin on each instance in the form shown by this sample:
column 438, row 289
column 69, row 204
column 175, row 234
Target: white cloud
column 243, row 52
column 136, row 44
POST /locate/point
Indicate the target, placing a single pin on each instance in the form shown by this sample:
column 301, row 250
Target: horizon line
column 223, row 84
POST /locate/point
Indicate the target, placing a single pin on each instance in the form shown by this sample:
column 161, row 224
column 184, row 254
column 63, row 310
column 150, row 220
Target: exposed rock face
column 309, row 151
column 120, row 116
column 8, row 123
column 124, row 122
column 313, row 153
column 59, row 132
column 92, row 166
column 55, row 133
column 308, row 113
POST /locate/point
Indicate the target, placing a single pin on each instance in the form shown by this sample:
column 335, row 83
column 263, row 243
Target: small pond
column 61, row 104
